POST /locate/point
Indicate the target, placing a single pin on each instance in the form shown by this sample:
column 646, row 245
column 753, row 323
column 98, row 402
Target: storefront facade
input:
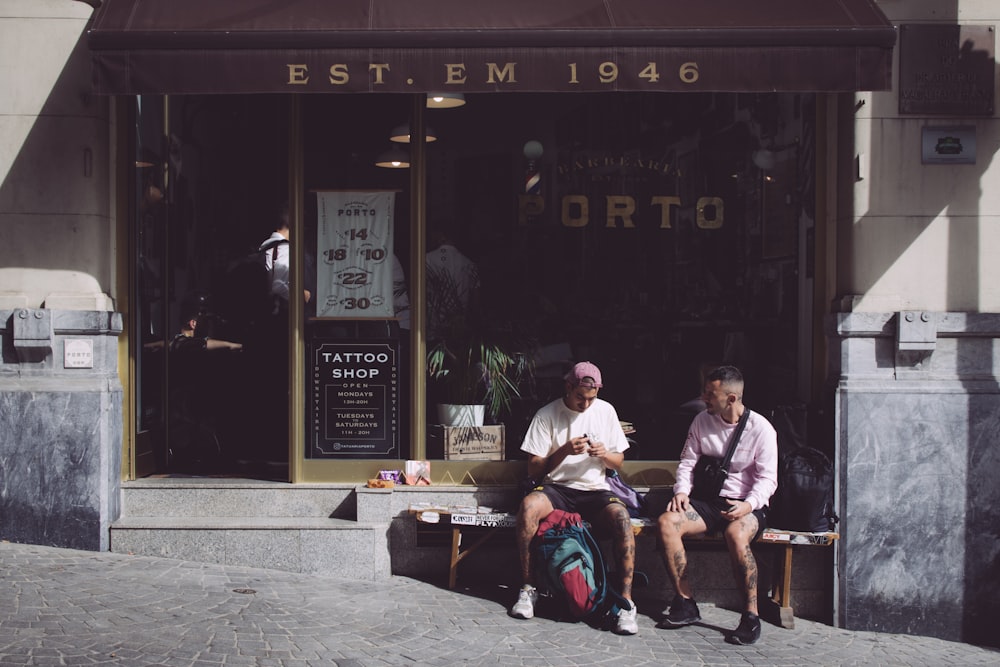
column 635, row 190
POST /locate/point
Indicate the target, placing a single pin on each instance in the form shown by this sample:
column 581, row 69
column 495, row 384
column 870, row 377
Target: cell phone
column 731, row 507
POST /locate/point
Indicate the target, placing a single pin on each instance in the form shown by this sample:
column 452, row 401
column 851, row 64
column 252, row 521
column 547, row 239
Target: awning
column 394, row 46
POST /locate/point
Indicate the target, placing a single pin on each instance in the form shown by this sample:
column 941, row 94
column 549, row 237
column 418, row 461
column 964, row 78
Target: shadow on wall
column 906, row 198
column 55, row 227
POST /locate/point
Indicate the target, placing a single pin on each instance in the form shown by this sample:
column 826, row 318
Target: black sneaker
column 683, row 611
column 747, row 632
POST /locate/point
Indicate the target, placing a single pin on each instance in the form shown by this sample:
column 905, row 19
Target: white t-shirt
column 451, row 280
column 400, row 297
column 554, row 424
column 277, row 264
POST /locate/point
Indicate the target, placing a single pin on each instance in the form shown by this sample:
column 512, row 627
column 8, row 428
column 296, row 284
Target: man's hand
column 737, row 510
column 679, row 503
column 597, row 449
column 579, row 445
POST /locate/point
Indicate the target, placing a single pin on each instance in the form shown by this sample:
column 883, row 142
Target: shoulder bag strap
column 735, row 439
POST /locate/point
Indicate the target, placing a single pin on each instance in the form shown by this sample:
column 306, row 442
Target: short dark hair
column 725, row 375
column 187, row 316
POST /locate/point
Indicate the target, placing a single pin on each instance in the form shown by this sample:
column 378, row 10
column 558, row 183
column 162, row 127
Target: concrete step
column 304, row 528
column 215, row 497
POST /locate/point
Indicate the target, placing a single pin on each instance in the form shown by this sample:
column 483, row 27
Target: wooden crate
column 474, row 443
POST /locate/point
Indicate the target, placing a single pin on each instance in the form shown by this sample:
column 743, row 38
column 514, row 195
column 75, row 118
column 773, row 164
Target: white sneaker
column 525, row 605
column 626, row 624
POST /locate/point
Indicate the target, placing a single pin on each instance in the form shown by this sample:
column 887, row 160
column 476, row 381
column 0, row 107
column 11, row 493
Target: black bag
column 708, row 477
column 804, row 499
column 710, row 473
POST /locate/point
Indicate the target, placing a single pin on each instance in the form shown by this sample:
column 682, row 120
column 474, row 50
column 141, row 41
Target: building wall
column 56, row 240
column 60, row 424
column 914, row 363
column 917, row 236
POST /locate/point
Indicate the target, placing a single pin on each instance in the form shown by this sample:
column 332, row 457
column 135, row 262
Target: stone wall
column 918, row 445
column 60, row 427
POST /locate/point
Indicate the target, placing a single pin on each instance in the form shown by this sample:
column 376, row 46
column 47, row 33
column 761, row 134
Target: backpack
column 804, row 498
column 571, row 565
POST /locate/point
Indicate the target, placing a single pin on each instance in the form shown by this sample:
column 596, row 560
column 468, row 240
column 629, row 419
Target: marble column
column 60, row 427
column 917, row 403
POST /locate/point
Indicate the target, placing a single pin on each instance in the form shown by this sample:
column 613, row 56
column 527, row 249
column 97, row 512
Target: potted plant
column 476, row 361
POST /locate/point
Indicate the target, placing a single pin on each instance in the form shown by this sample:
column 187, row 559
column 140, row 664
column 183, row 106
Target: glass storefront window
column 358, row 325
column 656, row 235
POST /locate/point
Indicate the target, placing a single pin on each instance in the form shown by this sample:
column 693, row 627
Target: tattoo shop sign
column 355, row 399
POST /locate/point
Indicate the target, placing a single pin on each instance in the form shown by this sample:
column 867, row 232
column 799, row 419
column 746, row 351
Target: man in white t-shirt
column 570, row 443
column 277, row 259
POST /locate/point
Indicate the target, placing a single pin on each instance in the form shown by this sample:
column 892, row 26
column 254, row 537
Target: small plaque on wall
column 948, row 145
column 946, row 69
column 78, row 353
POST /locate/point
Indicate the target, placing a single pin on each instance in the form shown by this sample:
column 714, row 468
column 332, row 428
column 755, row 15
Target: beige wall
column 913, row 236
column 56, row 241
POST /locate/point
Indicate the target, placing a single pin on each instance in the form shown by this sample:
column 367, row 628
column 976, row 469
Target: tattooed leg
column 624, row 548
column 738, row 536
column 673, row 527
column 534, row 508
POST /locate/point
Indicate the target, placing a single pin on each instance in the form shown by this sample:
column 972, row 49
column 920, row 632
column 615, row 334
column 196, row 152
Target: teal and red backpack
column 568, row 560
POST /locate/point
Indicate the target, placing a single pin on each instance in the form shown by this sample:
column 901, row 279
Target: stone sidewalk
column 67, row 607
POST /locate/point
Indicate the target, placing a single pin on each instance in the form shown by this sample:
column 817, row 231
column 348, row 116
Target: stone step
column 210, row 497
column 308, row 545
column 237, row 523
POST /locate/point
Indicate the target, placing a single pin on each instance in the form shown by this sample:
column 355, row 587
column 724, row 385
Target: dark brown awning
column 393, row 46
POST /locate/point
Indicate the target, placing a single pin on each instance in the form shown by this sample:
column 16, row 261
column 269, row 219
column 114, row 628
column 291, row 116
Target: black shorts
column 710, row 512
column 588, row 504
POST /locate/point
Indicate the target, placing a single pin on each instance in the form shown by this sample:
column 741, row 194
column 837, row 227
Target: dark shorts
column 588, row 504
column 710, row 512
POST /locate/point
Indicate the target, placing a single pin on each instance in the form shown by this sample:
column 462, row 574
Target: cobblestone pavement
column 67, row 607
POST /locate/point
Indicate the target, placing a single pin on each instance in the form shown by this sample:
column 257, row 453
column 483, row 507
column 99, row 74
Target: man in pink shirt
column 739, row 511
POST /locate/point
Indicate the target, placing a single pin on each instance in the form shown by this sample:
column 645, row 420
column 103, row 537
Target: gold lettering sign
column 620, row 207
column 497, row 75
column 339, row 75
column 454, row 73
column 575, row 210
column 710, row 212
column 665, row 203
column 297, row 74
column 529, row 206
column 606, row 73
column 379, row 69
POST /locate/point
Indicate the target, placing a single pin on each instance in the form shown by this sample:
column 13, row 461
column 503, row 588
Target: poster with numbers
column 354, row 254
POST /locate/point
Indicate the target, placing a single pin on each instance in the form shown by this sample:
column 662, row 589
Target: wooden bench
column 486, row 523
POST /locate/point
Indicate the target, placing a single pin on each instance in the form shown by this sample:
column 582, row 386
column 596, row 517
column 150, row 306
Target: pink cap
column 585, row 374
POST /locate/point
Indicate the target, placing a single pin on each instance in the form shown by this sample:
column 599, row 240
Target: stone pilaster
column 60, row 427
column 917, row 404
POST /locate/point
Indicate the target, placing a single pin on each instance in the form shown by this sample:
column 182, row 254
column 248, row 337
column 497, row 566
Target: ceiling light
column 445, row 100
column 401, row 134
column 394, row 158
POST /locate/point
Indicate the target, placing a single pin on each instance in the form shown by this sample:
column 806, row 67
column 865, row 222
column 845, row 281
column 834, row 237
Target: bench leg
column 781, row 594
column 456, row 542
column 457, row 554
